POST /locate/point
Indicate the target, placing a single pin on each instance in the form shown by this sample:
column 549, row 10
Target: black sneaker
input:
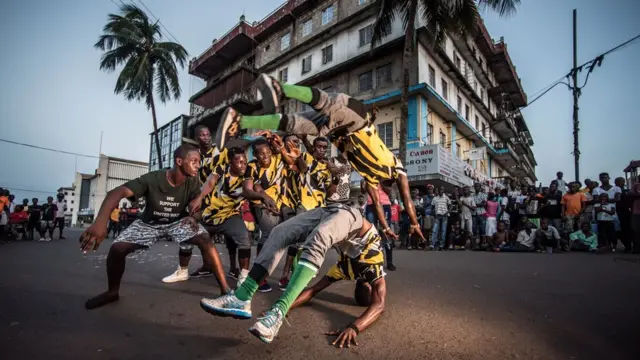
column 271, row 93
column 234, row 274
column 201, row 273
column 229, row 127
column 391, row 267
column 265, row 287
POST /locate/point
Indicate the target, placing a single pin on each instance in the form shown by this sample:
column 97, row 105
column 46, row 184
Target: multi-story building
column 86, row 194
column 172, row 134
column 464, row 95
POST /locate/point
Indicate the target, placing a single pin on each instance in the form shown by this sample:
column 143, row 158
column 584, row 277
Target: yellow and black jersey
column 370, row 157
column 311, row 186
column 289, row 196
column 208, row 163
column 271, row 179
column 226, row 198
column 360, row 258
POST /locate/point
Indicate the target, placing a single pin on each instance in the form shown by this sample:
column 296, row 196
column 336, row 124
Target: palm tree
column 441, row 17
column 130, row 39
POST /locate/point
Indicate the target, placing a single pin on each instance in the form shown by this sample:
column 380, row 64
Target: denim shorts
column 479, row 225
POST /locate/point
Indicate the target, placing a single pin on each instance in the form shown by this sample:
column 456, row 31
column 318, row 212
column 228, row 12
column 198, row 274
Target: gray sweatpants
column 266, row 222
column 326, row 227
column 332, row 113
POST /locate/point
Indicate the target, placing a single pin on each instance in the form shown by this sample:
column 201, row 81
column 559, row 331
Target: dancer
column 222, row 216
column 370, row 291
column 341, row 117
column 167, row 193
column 210, row 158
column 336, row 225
column 310, row 180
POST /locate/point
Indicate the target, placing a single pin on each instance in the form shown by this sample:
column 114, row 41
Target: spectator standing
column 395, row 216
column 573, row 205
column 504, row 215
column 62, row 208
column 562, row 185
column 114, row 223
column 467, row 209
column 635, row 216
column 613, row 192
column 605, row 212
column 492, row 216
column 623, row 214
column 35, row 214
column 427, row 213
column 587, row 214
column 441, row 205
column 47, row 225
column 533, row 206
column 479, row 218
column 552, row 207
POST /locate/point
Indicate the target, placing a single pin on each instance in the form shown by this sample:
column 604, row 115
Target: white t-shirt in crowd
column 504, row 202
column 603, row 216
column 611, row 192
column 61, row 208
column 526, row 239
column 562, row 185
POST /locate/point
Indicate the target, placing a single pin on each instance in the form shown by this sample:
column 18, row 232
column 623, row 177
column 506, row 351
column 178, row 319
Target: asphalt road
column 441, row 305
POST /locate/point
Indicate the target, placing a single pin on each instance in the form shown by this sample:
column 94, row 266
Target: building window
column 445, row 89
column 327, row 15
column 484, row 129
column 72, row 201
column 456, row 59
column 366, row 81
column 459, row 99
column 443, row 139
column 482, row 94
column 65, row 201
column 481, row 64
column 385, row 131
column 429, row 134
column 327, row 54
column 285, row 41
column 71, row 209
column 432, row 77
column 383, row 75
column 365, row 35
column 477, row 123
column 283, row 75
column 466, row 112
column 307, row 26
column 458, row 151
column 306, row 64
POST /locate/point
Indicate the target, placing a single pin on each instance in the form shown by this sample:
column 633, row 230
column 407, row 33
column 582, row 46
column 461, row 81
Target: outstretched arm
column 205, row 189
column 375, row 200
column 373, row 312
column 309, row 293
column 403, row 186
column 95, row 234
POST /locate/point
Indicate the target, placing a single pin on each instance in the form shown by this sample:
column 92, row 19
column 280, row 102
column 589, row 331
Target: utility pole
column 576, row 94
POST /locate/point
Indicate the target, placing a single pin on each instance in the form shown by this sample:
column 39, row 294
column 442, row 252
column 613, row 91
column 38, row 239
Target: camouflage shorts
column 143, row 234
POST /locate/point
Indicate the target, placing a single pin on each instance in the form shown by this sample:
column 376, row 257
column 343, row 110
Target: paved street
column 445, row 305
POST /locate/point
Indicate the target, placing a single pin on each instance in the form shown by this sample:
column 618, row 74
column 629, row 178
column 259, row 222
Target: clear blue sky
column 53, row 94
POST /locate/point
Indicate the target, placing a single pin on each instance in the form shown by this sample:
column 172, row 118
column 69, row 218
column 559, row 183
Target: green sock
column 300, row 93
column 247, row 289
column 265, row 122
column 301, row 277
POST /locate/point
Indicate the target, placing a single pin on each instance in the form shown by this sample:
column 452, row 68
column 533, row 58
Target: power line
column 593, row 62
column 159, row 22
column 49, row 149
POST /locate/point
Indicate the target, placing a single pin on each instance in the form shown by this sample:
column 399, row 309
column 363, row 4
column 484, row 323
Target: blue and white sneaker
column 268, row 326
column 227, row 305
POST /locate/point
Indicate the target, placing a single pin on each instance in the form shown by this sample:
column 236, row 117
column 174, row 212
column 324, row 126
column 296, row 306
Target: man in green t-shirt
column 167, row 194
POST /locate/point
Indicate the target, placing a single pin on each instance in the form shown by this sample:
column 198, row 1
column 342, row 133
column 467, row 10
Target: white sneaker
column 268, row 326
column 227, row 305
column 179, row 275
